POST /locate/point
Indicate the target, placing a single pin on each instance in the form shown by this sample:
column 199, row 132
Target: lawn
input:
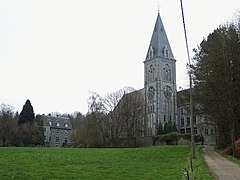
column 166, row 162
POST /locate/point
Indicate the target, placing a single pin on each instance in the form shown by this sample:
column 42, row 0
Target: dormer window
column 165, row 51
column 50, row 123
column 57, row 124
column 151, row 53
column 66, row 125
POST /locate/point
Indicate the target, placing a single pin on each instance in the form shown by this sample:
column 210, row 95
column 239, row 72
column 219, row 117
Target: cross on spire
column 159, row 45
column 158, row 6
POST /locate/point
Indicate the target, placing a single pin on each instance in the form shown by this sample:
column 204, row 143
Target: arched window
column 167, row 73
column 151, row 73
column 182, row 122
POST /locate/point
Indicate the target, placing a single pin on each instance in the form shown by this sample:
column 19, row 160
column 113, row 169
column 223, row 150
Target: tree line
column 216, row 70
column 113, row 120
column 24, row 129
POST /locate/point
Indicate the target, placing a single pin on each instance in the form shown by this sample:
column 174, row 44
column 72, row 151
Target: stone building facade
column 162, row 101
column 202, row 126
column 57, row 131
column 159, row 81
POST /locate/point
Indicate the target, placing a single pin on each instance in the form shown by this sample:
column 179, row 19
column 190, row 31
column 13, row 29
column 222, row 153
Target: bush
column 228, row 150
column 172, row 137
column 237, row 148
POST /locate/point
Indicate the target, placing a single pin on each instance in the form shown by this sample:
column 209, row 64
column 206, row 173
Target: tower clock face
column 151, row 93
column 167, row 91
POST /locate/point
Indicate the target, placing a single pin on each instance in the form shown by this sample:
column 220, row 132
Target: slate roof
column 159, row 43
column 57, row 122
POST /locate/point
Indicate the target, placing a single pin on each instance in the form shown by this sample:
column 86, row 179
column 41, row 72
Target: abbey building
column 163, row 104
column 159, row 80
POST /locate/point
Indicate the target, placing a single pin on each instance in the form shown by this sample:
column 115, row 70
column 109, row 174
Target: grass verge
column 200, row 169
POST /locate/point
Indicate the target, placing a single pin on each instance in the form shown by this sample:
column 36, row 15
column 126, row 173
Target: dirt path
column 221, row 167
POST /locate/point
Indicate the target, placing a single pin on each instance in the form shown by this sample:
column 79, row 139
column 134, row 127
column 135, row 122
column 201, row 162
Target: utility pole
column 190, row 82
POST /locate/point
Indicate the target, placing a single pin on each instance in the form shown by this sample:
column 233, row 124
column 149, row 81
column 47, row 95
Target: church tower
column 159, row 81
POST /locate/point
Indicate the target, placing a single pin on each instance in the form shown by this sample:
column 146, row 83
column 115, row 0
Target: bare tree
column 125, row 110
column 114, row 122
column 112, row 117
column 8, row 125
column 133, row 114
column 98, row 117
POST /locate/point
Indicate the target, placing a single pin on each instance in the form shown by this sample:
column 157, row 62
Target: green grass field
column 166, row 162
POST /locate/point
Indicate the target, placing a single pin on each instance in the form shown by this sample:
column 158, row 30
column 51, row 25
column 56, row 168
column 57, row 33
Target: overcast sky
column 54, row 52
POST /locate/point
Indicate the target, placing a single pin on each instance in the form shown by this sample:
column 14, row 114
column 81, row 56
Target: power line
column 190, row 81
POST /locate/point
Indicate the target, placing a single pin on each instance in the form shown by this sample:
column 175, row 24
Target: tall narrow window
column 181, row 111
column 151, row 73
column 167, row 73
column 211, row 131
column 188, row 121
column 182, row 122
column 194, row 120
column 195, row 130
column 206, row 131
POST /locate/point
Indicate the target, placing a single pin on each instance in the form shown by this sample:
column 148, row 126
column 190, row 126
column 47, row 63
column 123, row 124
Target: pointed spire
column 159, row 45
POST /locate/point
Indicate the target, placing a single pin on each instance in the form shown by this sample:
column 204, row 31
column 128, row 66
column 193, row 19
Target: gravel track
column 222, row 168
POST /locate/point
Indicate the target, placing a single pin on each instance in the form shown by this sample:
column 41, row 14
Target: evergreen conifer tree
column 160, row 129
column 27, row 114
column 166, row 128
column 175, row 127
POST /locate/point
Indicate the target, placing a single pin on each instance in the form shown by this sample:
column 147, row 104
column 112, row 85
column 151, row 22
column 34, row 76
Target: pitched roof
column 57, row 122
column 159, row 45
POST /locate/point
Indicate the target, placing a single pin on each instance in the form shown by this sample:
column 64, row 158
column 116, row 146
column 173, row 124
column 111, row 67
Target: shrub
column 237, row 148
column 228, row 150
column 172, row 137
